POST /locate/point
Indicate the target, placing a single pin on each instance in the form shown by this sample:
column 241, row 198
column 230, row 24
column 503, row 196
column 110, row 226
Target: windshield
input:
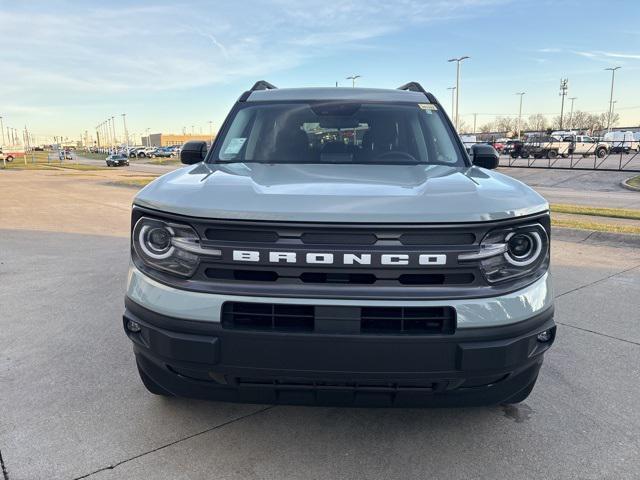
column 337, row 132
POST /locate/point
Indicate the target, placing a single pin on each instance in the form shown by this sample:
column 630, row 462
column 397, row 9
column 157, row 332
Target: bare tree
column 486, row 127
column 537, row 122
column 464, row 127
column 505, row 124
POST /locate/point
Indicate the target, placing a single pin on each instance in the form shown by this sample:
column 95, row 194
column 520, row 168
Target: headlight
column 512, row 252
column 168, row 246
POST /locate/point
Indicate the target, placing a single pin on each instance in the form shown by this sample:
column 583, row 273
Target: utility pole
column 613, row 77
column 453, row 92
column 458, row 61
column 353, row 80
column 475, row 117
column 2, row 129
column 521, row 94
column 148, row 138
column 210, row 129
column 573, row 99
column 564, row 86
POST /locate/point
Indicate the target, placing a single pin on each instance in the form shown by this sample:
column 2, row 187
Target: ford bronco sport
column 338, row 246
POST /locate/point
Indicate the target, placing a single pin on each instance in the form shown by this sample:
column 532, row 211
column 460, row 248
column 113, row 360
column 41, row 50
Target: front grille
column 339, row 319
column 357, row 278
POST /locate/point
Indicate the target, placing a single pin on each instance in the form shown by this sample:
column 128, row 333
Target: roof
column 338, row 93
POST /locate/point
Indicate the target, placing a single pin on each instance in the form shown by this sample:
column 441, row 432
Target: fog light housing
column 545, row 336
column 133, row 327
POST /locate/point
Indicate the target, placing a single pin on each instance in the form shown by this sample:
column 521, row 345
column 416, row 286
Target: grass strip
column 598, row 227
column 634, row 182
column 134, row 182
column 596, row 211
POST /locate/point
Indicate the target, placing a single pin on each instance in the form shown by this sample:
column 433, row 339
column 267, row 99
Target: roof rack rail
column 262, row 85
column 413, row 87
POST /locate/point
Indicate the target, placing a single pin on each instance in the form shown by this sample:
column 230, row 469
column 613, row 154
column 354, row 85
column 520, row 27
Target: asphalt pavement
column 72, row 406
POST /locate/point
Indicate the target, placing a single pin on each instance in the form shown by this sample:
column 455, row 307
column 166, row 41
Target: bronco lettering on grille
column 322, row 258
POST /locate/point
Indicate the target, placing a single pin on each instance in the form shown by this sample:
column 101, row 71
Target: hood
column 351, row 193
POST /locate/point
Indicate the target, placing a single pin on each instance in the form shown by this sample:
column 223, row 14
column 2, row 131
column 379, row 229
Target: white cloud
column 170, row 46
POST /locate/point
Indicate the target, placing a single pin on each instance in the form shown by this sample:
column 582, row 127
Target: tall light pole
column 353, row 79
column 613, row 78
column 2, row 130
column 148, row 138
column 573, row 99
column 126, row 132
column 458, row 61
column 521, row 94
column 453, row 92
column 210, row 129
column 113, row 127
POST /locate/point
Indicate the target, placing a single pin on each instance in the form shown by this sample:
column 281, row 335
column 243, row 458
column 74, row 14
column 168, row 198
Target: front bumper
column 474, row 366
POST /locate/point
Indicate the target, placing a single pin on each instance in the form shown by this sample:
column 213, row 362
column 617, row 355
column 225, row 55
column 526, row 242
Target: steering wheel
column 398, row 155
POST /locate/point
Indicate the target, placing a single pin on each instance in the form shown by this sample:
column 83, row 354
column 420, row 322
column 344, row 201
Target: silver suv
column 339, row 246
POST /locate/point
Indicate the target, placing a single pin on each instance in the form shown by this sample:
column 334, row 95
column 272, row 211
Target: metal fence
column 613, row 160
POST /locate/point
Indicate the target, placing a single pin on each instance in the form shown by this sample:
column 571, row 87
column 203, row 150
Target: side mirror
column 484, row 156
column 193, row 152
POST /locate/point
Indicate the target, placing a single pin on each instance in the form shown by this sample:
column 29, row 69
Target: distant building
column 169, row 139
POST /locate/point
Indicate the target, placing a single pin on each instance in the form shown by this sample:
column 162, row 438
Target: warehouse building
column 169, row 139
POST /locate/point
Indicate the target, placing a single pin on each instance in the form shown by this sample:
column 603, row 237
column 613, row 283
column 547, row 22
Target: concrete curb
column 629, row 187
column 576, row 235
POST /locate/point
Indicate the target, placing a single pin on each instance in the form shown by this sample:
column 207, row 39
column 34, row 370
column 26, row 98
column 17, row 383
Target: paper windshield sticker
column 234, row 146
column 427, row 106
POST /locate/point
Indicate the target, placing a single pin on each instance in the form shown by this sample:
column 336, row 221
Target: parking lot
column 72, row 405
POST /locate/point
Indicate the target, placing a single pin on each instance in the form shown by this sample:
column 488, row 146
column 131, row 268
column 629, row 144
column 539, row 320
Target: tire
column 514, row 155
column 522, row 395
column 108, row 164
column 525, row 155
column 152, row 386
column 9, row 159
column 565, row 155
column 142, row 155
column 601, row 152
column 132, row 155
column 551, row 154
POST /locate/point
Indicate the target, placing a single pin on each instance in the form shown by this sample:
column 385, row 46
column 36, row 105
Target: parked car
column 513, row 148
column 146, row 152
column 422, row 280
column 585, row 145
column 546, row 146
column 162, row 153
column 117, row 160
column 624, row 142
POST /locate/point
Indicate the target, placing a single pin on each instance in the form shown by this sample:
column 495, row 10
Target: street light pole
column 2, row 130
column 521, row 94
column 613, row 77
column 453, row 92
column 353, row 80
column 210, row 129
column 113, row 126
column 126, row 132
column 573, row 99
column 458, row 61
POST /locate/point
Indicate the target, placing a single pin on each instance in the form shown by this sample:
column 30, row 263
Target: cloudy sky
column 67, row 65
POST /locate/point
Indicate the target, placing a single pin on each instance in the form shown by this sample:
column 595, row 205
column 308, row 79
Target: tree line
column 580, row 120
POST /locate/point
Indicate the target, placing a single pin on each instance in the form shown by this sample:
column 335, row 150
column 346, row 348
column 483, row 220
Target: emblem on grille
column 322, row 258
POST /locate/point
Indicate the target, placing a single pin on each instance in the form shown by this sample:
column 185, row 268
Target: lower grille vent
column 345, row 320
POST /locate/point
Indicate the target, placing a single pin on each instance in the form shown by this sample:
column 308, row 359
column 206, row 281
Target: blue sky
column 66, row 66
